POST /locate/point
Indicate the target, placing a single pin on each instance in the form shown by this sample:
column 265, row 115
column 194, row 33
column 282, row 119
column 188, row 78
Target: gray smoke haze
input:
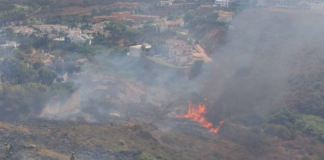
column 265, row 48
column 123, row 87
column 247, row 79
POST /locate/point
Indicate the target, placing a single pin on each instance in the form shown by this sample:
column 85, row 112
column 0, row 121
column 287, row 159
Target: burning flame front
column 196, row 113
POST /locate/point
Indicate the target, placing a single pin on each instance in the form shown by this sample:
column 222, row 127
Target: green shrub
column 284, row 117
column 279, row 131
column 311, row 125
column 305, row 158
column 146, row 156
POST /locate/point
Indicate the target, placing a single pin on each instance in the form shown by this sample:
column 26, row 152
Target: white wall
column 135, row 51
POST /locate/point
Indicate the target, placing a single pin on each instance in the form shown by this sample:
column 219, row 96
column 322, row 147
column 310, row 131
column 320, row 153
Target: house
column 316, row 6
column 225, row 17
column 60, row 39
column 73, row 31
column 39, row 56
column 164, row 3
column 287, row 3
column 115, row 17
column 23, row 30
column 79, row 38
column 179, row 51
column 123, row 16
column 262, row 3
column 222, row 3
column 142, row 18
column 165, row 25
column 98, row 28
column 9, row 44
column 301, row 4
column 204, row 9
column 311, row 4
column 81, row 61
column 53, row 28
column 137, row 50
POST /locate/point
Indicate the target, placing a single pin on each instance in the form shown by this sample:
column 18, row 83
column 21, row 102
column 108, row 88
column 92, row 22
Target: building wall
column 222, row 3
column 316, row 6
column 261, row 3
column 77, row 40
column 184, row 59
column 181, row 55
column 135, row 51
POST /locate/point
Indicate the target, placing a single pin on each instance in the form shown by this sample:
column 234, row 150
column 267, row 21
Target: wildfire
column 196, row 113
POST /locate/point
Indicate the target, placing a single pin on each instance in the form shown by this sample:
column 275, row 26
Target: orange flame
column 215, row 130
column 196, row 113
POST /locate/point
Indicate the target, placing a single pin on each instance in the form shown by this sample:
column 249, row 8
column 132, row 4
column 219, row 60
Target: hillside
column 260, row 98
column 40, row 139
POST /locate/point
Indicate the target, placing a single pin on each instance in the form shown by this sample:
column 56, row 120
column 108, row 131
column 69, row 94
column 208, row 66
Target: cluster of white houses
column 165, row 25
column 179, row 52
column 298, row 4
column 74, row 35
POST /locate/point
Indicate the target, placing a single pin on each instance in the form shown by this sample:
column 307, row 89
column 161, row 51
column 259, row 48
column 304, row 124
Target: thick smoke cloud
column 249, row 76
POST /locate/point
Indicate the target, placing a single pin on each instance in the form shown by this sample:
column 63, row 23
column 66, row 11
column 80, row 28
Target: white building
column 51, row 28
column 262, row 3
column 311, row 4
column 79, row 38
column 222, row 3
column 316, row 6
column 180, row 51
column 165, row 3
column 23, row 30
column 302, row 4
column 61, row 39
column 165, row 25
column 314, row 1
column 135, row 51
column 9, row 44
column 225, row 17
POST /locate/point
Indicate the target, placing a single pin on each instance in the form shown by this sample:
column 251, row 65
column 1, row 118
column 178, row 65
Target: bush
column 311, row 125
column 284, row 117
column 305, row 158
column 252, row 119
column 146, row 156
column 23, row 101
column 280, row 131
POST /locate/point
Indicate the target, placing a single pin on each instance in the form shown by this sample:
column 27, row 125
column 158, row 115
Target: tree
column 190, row 15
column 22, row 102
column 172, row 17
column 94, row 12
column 212, row 17
column 37, row 65
column 59, row 79
column 117, row 29
column 46, row 76
column 71, row 67
column 85, row 26
column 16, row 71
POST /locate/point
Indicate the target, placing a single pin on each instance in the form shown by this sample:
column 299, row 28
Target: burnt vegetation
column 263, row 91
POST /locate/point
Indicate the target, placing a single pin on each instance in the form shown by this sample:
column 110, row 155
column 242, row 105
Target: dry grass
column 137, row 136
column 14, row 128
column 49, row 153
